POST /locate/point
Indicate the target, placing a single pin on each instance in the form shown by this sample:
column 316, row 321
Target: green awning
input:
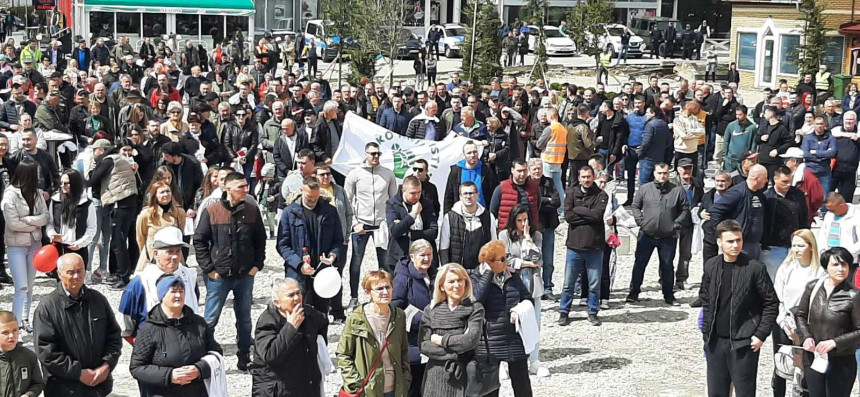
column 204, row 7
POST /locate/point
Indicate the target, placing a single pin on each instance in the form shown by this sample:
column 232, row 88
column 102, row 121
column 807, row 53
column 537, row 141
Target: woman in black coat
column 413, row 286
column 505, row 344
column 168, row 355
column 497, row 155
column 450, row 330
column 828, row 322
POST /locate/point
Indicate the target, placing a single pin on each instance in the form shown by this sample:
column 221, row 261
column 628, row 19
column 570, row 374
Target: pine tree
column 536, row 11
column 811, row 52
column 585, row 31
column 488, row 43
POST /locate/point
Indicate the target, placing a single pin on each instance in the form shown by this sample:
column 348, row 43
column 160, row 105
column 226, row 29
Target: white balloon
column 327, row 283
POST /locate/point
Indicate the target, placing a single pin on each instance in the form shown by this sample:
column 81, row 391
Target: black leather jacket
column 835, row 317
column 237, row 137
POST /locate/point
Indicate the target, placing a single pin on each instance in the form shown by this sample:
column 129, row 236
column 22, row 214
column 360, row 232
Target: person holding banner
column 368, row 187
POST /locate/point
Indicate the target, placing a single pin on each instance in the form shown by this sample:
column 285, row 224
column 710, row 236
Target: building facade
column 765, row 37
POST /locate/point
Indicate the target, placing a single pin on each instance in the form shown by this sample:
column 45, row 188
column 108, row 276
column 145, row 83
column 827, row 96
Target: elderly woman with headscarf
column 170, row 353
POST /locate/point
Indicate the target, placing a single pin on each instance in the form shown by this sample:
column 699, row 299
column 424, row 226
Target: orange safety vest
column 557, row 145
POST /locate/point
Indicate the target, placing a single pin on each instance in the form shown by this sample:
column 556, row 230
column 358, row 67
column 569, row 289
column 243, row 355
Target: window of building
column 834, row 55
column 788, row 51
column 128, row 24
column 101, row 23
column 153, row 25
column 212, row 25
column 746, row 51
column 237, row 23
column 187, row 26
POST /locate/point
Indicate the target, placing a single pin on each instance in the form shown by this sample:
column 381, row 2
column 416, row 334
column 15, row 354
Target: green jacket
column 20, row 374
column 358, row 348
column 271, row 133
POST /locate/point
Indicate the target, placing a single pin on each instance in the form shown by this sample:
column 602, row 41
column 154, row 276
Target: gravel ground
column 646, row 349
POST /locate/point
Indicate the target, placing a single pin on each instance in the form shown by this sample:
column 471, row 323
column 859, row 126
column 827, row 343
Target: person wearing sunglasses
column 421, row 169
column 242, row 140
column 368, row 188
column 174, row 127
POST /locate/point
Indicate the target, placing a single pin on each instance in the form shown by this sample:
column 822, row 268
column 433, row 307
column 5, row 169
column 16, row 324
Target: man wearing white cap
column 140, row 295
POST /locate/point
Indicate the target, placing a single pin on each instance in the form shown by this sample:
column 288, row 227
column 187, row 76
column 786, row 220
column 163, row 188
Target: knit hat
column 164, row 284
column 174, row 105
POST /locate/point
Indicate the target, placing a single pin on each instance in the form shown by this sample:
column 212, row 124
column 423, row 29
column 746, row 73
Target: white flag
column 399, row 153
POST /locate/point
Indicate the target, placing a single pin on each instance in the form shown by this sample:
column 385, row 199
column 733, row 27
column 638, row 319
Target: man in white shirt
column 841, row 227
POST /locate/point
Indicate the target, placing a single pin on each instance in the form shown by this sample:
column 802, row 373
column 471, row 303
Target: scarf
column 473, row 175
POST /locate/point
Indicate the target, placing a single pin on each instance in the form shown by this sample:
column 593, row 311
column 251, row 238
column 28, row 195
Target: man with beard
column 164, row 89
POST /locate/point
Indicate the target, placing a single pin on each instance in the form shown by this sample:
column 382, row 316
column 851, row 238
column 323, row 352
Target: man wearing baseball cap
column 140, row 295
column 748, row 159
column 805, row 180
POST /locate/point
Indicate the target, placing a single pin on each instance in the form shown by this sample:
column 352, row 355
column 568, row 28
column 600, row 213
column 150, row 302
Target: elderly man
column 427, row 125
column 77, row 338
column 805, row 180
column 745, row 203
column 139, row 296
column 287, row 145
column 847, row 156
column 326, row 134
column 286, row 340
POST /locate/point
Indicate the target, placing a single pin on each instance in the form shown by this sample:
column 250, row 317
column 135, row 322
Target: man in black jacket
column 410, row 217
column 548, row 222
column 740, row 308
column 285, row 340
column 230, row 244
column 772, row 140
column 612, row 132
column 724, row 113
column 428, row 190
column 786, row 213
column 660, row 209
column 77, row 337
column 745, row 204
column 186, row 169
column 584, row 205
column 286, row 148
column 694, row 190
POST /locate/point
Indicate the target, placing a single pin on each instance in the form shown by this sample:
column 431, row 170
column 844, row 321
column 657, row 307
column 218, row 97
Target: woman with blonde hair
column 450, row 330
column 373, row 351
column 161, row 211
column 799, row 268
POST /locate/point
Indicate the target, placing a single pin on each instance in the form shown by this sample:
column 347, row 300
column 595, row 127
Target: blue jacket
column 410, row 289
column 478, row 131
column 397, row 122
column 637, row 123
column 736, row 203
column 825, row 149
column 293, row 236
column 656, row 141
column 400, row 227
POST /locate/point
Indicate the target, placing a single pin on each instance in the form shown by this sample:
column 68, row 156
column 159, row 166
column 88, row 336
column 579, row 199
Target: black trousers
column 727, row 368
column 337, row 301
column 685, row 245
column 838, row 380
column 519, row 372
column 312, row 66
column 123, row 244
column 709, row 250
column 417, row 370
column 844, row 183
column 655, row 49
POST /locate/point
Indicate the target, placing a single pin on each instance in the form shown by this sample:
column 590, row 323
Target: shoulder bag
column 376, row 362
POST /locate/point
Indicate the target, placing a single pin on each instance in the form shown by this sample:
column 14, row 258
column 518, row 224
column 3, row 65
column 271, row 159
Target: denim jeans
column 593, row 262
column 548, row 253
column 665, row 252
column 772, row 258
column 23, row 275
column 216, row 295
column 247, row 169
column 646, row 171
column 824, row 180
column 103, row 230
column 554, row 171
column 623, row 53
column 359, row 243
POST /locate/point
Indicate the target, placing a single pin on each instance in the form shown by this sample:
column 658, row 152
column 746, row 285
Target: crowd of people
column 139, row 157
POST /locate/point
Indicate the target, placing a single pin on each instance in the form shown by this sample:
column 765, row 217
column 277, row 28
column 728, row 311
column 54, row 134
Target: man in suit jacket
column 56, row 55
column 286, row 147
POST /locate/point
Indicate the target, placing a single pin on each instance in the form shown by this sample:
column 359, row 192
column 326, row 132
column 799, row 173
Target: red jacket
column 172, row 95
column 811, row 188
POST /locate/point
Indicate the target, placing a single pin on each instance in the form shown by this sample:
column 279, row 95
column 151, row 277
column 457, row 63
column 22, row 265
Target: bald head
column 757, row 178
column 69, row 259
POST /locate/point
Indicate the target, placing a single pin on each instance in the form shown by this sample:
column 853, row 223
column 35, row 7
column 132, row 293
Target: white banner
column 399, row 153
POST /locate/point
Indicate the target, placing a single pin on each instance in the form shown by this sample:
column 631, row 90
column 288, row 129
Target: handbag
column 376, row 362
column 482, row 374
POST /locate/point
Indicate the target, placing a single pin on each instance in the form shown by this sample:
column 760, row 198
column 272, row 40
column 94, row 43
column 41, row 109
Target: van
column 642, row 27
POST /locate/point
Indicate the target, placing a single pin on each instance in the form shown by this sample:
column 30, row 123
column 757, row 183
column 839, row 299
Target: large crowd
column 140, row 156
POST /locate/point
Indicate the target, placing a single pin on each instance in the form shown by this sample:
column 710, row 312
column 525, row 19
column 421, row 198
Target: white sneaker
column 583, row 302
column 604, row 304
column 503, row 371
column 536, row 368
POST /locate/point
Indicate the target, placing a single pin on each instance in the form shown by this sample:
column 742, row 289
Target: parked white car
column 556, row 42
column 611, row 41
column 452, row 37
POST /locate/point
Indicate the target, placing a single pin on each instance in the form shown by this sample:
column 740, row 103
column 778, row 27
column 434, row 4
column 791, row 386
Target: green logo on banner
column 402, row 160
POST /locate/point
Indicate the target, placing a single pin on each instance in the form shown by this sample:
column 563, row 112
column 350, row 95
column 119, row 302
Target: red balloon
column 45, row 259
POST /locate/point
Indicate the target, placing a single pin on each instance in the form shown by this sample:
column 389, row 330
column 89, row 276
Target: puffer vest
column 510, row 198
column 82, row 212
column 465, row 244
column 121, row 183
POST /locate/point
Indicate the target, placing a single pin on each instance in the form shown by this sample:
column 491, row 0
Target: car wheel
column 448, row 52
column 662, row 50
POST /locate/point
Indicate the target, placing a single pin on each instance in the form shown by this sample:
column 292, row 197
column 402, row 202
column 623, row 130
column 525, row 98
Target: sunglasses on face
column 324, row 174
column 374, row 154
column 418, row 169
column 240, row 114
